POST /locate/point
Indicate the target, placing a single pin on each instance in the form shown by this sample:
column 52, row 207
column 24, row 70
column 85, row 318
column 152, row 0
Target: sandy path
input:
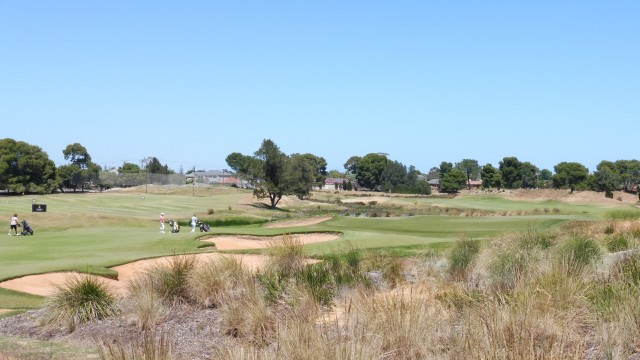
column 45, row 284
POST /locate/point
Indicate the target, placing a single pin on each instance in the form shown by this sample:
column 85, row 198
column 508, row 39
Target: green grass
column 14, row 300
column 93, row 232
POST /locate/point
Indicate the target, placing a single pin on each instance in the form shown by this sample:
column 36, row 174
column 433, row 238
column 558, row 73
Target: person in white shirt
column 194, row 221
column 14, row 225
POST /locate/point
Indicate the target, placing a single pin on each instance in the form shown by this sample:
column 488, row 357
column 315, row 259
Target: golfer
column 162, row 223
column 14, row 225
column 194, row 221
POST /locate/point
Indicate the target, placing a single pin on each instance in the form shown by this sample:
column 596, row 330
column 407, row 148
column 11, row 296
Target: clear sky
column 190, row 82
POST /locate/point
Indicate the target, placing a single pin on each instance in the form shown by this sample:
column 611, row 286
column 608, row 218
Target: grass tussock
column 211, row 284
column 156, row 345
column 80, row 299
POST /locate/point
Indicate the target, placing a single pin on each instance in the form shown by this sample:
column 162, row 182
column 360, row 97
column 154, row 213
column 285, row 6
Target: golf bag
column 26, row 229
column 203, row 227
column 175, row 228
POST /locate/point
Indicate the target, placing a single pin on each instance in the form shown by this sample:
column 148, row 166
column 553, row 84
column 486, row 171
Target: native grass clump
column 531, row 295
column 80, row 299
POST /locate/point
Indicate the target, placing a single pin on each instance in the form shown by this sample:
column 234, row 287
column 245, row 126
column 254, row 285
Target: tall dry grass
column 149, row 345
column 80, row 299
column 537, row 296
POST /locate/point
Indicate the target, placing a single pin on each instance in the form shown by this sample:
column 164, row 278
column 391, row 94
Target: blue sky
column 424, row 81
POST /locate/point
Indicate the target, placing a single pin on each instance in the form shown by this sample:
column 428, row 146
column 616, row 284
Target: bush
column 462, row 258
column 148, row 345
column 81, row 299
column 286, row 256
column 579, row 253
column 318, row 281
column 617, row 243
column 147, row 307
column 171, row 279
column 211, row 284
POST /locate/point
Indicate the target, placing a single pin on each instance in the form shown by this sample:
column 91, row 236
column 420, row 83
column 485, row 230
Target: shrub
column 318, row 281
column 249, row 317
column 149, row 345
column 286, row 256
column 274, row 285
column 462, row 258
column 617, row 243
column 210, row 212
column 627, row 269
column 145, row 304
column 212, row 283
column 579, row 253
column 170, row 279
column 80, row 299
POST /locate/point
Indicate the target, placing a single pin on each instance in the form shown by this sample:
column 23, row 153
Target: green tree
column 273, row 174
column 154, row 166
column 393, row 176
column 453, row 181
column 491, row 177
column 352, row 164
column 129, row 168
column 26, row 168
column 510, row 169
column 607, row 177
column 370, row 169
column 445, row 167
column 471, row 169
column 81, row 171
column 317, row 165
column 529, row 175
column 569, row 175
column 629, row 171
column 300, row 176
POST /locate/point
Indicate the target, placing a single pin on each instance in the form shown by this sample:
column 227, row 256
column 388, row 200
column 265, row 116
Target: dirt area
column 294, row 223
column 579, row 197
column 257, row 242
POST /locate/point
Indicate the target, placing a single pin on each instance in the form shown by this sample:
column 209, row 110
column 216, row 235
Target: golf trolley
column 175, row 227
column 203, row 227
column 26, row 229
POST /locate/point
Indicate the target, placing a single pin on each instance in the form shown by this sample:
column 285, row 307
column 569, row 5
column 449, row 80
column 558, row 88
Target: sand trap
column 242, row 242
column 45, row 284
column 301, row 222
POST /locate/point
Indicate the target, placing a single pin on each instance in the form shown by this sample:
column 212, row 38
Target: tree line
column 25, row 168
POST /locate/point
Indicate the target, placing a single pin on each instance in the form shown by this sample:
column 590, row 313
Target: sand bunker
column 300, row 222
column 45, row 284
column 242, row 242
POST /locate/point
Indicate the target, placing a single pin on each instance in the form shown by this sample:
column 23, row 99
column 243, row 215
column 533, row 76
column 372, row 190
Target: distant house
column 475, row 184
column 434, row 183
column 334, row 183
